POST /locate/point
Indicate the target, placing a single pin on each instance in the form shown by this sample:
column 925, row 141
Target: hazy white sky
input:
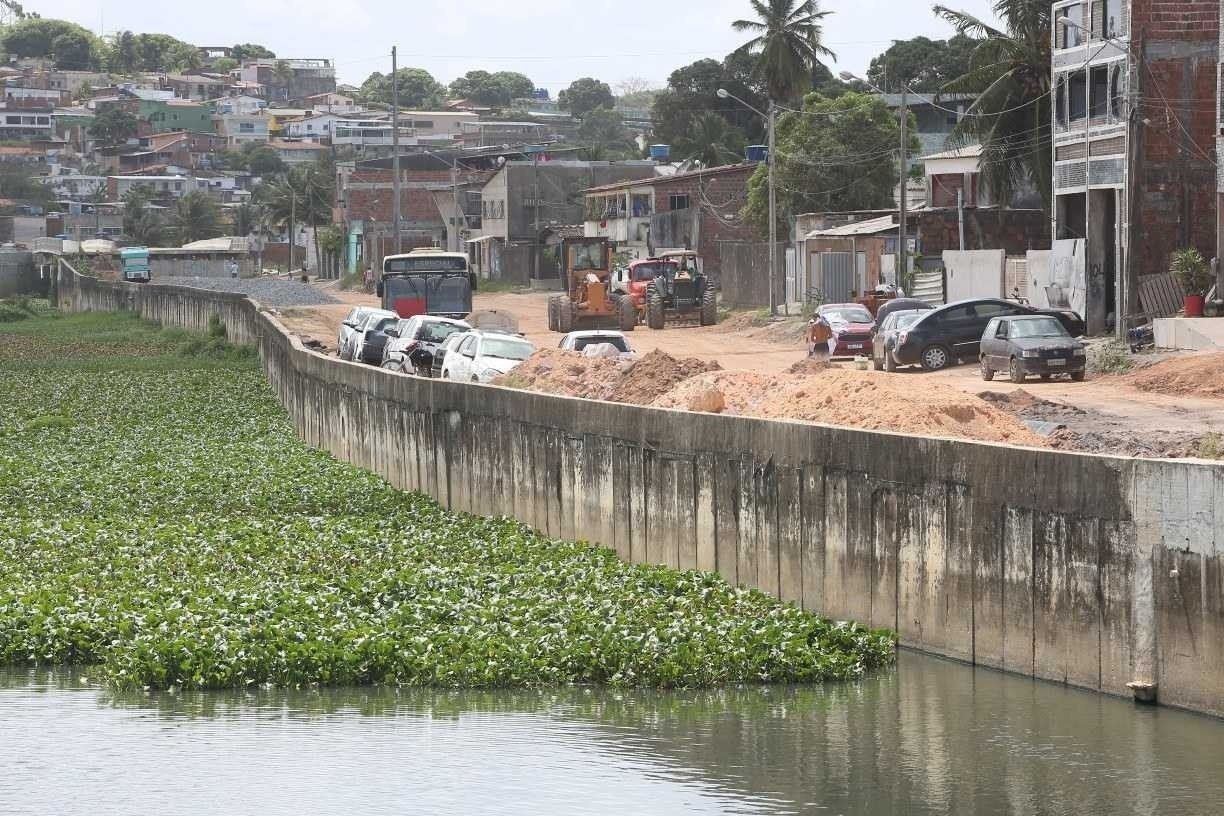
column 551, row 41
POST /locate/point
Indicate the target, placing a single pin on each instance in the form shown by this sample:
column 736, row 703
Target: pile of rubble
column 811, row 392
column 1200, row 375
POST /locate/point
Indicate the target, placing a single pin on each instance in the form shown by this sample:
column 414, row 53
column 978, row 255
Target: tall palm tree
column 711, row 141
column 788, row 44
column 1009, row 70
column 196, row 217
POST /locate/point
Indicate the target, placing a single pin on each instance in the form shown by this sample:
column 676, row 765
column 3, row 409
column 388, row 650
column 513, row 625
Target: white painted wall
column 975, row 273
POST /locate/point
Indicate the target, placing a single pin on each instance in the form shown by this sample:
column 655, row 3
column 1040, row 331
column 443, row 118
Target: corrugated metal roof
column 966, row 152
column 860, row 228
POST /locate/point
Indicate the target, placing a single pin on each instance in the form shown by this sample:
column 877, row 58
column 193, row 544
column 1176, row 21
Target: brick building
column 1135, row 92
column 694, row 210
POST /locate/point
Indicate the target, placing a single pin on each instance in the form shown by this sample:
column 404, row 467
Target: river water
column 931, row 737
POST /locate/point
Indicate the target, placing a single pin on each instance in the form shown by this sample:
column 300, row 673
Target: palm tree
column 711, row 141
column 140, row 225
column 788, row 44
column 303, row 195
column 1009, row 70
column 196, row 217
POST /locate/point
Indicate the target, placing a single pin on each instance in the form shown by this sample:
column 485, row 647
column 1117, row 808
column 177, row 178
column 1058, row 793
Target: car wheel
column 1077, row 376
column 1017, row 373
column 936, row 358
column 987, row 371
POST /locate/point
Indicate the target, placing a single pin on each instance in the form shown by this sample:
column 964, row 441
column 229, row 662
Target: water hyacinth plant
column 163, row 523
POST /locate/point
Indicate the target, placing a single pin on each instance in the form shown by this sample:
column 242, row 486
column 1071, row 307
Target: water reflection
column 933, row 737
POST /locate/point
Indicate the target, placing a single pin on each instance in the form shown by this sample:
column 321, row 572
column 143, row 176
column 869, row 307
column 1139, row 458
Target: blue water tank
column 660, row 153
column 757, row 153
column 530, row 149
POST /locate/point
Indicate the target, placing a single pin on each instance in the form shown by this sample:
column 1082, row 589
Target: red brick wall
column 726, row 194
column 379, row 203
column 1175, row 182
column 1014, row 231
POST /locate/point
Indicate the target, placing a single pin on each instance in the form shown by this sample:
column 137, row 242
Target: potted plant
column 1194, row 274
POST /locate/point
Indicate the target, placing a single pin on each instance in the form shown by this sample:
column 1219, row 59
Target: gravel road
column 279, row 293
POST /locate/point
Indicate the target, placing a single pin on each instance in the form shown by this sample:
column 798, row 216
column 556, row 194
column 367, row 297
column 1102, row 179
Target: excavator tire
column 656, row 319
column 709, row 307
column 552, row 314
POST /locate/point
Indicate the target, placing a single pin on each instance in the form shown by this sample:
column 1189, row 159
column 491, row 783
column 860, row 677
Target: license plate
column 1057, row 362
column 855, row 346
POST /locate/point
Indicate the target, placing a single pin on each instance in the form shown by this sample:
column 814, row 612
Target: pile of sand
column 1201, row 375
column 812, row 392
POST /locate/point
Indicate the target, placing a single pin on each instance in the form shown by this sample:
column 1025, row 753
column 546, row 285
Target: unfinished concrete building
column 1134, row 130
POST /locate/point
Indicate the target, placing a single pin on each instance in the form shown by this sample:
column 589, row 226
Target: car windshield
column 507, row 349
column 437, row 332
column 1038, row 327
column 648, row 272
column 385, row 323
column 619, row 342
column 848, row 315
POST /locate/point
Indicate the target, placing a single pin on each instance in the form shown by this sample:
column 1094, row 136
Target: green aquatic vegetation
column 178, row 534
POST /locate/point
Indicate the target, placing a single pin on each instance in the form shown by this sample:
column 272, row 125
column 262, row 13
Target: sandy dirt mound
column 1201, row 375
column 566, row 373
column 656, row 374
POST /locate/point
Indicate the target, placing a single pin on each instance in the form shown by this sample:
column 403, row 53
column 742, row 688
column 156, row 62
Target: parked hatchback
column 885, row 338
column 452, row 342
column 1031, row 345
column 954, row 332
column 852, row 325
column 413, row 343
column 483, row 356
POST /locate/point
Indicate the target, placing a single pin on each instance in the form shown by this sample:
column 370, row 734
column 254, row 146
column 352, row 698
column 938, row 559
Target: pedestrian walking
column 369, row 280
column 819, row 337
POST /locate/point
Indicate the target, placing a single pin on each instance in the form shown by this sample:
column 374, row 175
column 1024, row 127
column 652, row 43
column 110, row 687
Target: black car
column 900, row 305
column 1030, row 345
column 885, row 337
column 371, row 348
column 954, row 332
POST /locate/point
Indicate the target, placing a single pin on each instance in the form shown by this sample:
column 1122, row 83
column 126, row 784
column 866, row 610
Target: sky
column 551, row 41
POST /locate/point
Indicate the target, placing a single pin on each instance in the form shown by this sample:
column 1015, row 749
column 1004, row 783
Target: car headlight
column 1030, row 353
column 1079, row 352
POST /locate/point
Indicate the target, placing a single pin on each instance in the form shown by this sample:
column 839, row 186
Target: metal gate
column 833, row 275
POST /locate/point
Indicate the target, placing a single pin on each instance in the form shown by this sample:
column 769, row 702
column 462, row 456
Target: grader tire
column 709, row 307
column 565, row 315
column 627, row 313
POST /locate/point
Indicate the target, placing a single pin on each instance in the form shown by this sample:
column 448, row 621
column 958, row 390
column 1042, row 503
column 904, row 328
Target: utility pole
column 292, row 223
column 395, row 158
column 773, row 216
column 452, row 231
column 535, row 241
column 902, row 237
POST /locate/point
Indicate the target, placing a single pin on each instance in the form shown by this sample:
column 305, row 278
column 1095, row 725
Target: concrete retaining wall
column 1088, row 570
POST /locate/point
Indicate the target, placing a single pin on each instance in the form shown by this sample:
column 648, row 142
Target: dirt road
column 1101, row 406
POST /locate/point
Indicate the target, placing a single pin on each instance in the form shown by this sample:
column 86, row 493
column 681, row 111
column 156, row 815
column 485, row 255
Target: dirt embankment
column 1201, row 375
column 808, row 392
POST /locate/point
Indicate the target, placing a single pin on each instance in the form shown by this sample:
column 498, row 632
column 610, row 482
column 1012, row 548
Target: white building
column 240, row 128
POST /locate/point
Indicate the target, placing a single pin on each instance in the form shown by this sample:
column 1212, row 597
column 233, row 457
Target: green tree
column 585, row 95
column 73, row 51
column 123, row 56
column 692, row 90
column 834, row 154
column 246, row 219
column 113, row 126
column 304, row 195
column 711, row 141
column 251, row 51
column 35, row 36
column 141, row 225
column 1009, row 70
column 603, row 132
column 224, row 65
column 183, row 57
column 921, row 64
column 196, row 217
column 496, row 90
column 262, row 161
column 417, row 89
column 788, row 44
column 161, row 52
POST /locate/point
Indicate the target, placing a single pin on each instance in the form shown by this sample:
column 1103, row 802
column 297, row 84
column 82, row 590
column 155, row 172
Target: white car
column 412, row 344
column 371, row 322
column 482, row 356
column 348, row 330
column 580, row 340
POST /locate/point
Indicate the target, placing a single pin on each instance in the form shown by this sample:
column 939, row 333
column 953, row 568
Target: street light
column 903, row 228
column 770, row 118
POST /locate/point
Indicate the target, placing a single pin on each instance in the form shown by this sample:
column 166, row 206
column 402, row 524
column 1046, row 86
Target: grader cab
column 588, row 301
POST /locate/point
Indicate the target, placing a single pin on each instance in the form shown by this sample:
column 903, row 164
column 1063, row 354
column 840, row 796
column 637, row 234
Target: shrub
column 1192, row 271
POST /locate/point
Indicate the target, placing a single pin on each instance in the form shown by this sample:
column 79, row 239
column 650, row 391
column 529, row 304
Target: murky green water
column 933, row 737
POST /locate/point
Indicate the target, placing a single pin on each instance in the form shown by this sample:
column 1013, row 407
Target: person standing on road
column 819, row 334
column 369, row 280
